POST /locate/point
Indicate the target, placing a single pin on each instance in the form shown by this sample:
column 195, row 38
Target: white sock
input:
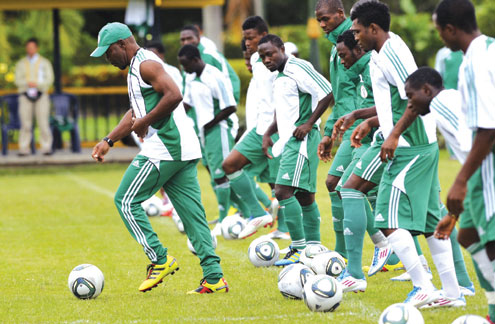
column 484, row 264
column 423, row 260
column 379, row 239
column 441, row 252
column 403, row 245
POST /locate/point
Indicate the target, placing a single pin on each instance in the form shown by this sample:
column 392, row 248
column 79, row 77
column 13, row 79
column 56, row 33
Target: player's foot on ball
column 446, row 302
column 380, row 258
column 468, row 291
column 278, row 235
column 290, row 258
column 419, row 297
column 254, row 224
column 349, row 283
column 207, row 288
column 217, row 230
column 156, row 273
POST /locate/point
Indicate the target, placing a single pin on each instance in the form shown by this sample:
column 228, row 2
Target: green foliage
column 485, row 12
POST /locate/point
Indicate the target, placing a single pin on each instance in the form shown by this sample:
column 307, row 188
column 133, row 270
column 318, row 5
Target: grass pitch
column 53, row 219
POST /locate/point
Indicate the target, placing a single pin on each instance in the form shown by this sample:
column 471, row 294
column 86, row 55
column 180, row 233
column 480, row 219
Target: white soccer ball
column 330, row 263
column 152, row 206
column 232, row 226
column 322, row 293
column 401, row 314
column 86, row 281
column 263, row 252
column 291, row 280
column 470, row 319
column 309, row 253
column 213, row 242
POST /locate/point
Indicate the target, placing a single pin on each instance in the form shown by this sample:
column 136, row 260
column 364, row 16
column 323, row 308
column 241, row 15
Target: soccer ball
column 470, row 319
column 291, row 280
column 86, row 281
column 213, row 242
column 330, row 263
column 401, row 314
column 309, row 253
column 152, row 206
column 232, row 226
column 322, row 293
column 263, row 252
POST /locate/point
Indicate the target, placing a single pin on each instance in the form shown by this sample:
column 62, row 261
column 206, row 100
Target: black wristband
column 109, row 141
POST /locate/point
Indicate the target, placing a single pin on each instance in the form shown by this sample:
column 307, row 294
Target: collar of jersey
column 357, row 68
column 345, row 25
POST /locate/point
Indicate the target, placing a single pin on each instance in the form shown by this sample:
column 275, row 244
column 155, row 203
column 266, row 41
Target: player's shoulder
column 255, row 58
column 450, row 98
column 297, row 66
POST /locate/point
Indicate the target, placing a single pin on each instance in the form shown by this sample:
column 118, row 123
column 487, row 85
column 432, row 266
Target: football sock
column 355, row 218
column 393, row 259
column 370, row 219
column 379, row 240
column 281, row 225
column 261, row 195
column 241, row 204
column 311, row 223
column 441, row 253
column 403, row 245
column 293, row 219
column 338, row 223
column 459, row 264
column 223, row 196
column 481, row 259
column 241, row 184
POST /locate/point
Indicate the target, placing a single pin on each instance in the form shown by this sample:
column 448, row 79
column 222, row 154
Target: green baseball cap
column 109, row 34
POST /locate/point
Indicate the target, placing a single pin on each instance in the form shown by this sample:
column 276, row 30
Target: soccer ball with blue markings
column 330, row 263
column 291, row 280
column 310, row 252
column 470, row 319
column 232, row 226
column 86, row 281
column 322, row 293
column 263, row 252
column 401, row 314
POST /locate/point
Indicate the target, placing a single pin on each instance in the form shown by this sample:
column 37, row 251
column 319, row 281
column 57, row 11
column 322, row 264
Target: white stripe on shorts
column 488, row 186
column 372, row 167
column 298, row 170
column 393, row 208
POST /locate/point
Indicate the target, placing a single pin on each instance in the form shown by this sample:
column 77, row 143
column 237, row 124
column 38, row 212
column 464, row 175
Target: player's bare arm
column 123, row 129
column 482, row 145
column 390, row 144
column 345, row 122
column 267, row 137
column 301, row 131
column 362, row 130
column 222, row 115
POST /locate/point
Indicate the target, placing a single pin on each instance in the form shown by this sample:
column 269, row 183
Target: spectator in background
column 33, row 77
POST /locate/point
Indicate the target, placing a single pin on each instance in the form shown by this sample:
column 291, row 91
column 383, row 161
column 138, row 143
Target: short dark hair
column 243, row 45
column 33, row 40
column 332, row 5
column 270, row 38
column 158, row 46
column 348, row 38
column 189, row 51
column 192, row 28
column 372, row 11
column 458, row 13
column 255, row 22
column 424, row 75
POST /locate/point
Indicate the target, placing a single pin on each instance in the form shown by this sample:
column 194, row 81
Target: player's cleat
column 167, row 210
column 278, row 235
column 468, row 291
column 446, row 302
column 254, row 224
column 380, row 258
column 349, row 283
column 290, row 258
column 156, row 273
column 393, row 267
column 419, row 297
column 205, row 288
column 285, row 251
column 217, row 230
column 406, row 277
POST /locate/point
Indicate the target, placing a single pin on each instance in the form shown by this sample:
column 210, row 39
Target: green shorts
column 408, row 195
column 356, row 156
column 296, row 170
column 370, row 167
column 342, row 159
column 261, row 167
column 479, row 205
column 217, row 145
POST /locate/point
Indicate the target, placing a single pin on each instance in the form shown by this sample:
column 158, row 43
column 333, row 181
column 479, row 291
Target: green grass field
column 53, row 219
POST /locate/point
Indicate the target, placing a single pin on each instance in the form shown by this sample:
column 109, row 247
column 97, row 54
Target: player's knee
column 228, row 167
column 331, row 183
column 463, row 240
column 281, row 193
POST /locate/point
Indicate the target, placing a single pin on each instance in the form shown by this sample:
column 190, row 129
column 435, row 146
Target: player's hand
column 140, row 127
column 445, row 227
column 266, row 144
column 388, row 148
column 325, row 149
column 301, row 131
column 359, row 133
column 342, row 125
column 99, row 151
column 455, row 197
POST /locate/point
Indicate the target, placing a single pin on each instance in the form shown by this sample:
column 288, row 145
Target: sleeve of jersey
column 225, row 97
column 399, row 64
column 485, row 88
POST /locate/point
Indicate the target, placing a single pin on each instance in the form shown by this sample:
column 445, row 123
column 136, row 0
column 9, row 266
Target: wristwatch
column 109, row 141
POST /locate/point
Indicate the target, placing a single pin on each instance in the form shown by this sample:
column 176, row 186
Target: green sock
column 393, row 260
column 491, row 312
column 261, row 195
column 370, row 218
column 293, row 219
column 241, row 184
column 311, row 223
column 459, row 264
column 355, row 217
column 223, row 196
column 338, row 223
column 240, row 204
column 281, row 225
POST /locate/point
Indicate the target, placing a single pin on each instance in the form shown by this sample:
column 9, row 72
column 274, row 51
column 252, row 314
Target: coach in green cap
column 109, row 34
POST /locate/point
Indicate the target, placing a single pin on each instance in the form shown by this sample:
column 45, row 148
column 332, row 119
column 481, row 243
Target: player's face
column 419, row 100
column 117, row 56
column 187, row 65
column 448, row 35
column 363, row 36
column 252, row 38
column 347, row 57
column 329, row 20
column 271, row 56
column 188, row 37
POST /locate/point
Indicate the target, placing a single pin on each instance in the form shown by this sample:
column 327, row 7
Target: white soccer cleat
column 380, row 258
column 278, row 235
column 445, row 301
column 419, row 297
column 217, row 230
column 254, row 224
column 349, row 283
column 468, row 291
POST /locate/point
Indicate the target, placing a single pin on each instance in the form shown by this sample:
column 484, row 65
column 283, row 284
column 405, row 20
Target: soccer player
column 215, row 106
column 168, row 159
column 472, row 195
column 300, row 96
column 408, row 199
